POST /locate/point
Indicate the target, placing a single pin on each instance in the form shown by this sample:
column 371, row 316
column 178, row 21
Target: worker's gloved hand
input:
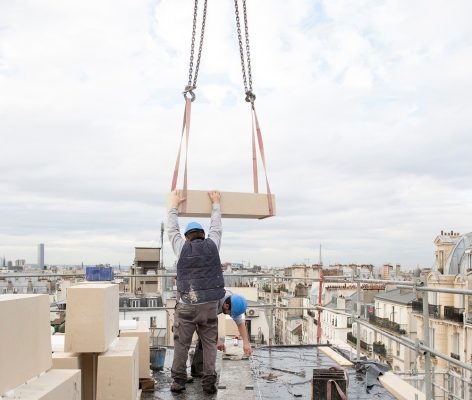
column 220, row 346
column 215, row 197
column 247, row 349
column 176, row 198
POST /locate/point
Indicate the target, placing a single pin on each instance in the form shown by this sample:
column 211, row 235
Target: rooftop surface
column 276, row 372
column 401, row 296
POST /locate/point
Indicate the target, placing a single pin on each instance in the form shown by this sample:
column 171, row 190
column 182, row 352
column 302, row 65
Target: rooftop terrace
column 275, row 372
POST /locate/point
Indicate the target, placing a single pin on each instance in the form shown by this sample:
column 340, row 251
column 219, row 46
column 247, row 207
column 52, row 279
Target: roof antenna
column 320, row 262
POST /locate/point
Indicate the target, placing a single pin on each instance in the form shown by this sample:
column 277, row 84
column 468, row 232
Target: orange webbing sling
column 255, row 122
column 186, row 129
column 255, row 130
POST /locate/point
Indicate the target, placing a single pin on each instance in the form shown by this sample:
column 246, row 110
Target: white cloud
column 364, row 108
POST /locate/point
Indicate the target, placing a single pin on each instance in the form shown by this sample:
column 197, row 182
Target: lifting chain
column 191, row 86
column 247, row 77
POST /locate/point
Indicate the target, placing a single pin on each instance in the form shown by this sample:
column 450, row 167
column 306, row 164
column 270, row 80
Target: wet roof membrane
column 278, row 372
column 286, row 372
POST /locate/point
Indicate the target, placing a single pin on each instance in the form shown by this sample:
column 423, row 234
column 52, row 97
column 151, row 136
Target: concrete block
column 92, row 317
column 118, row 370
column 56, row 384
column 143, row 334
column 233, row 205
column 61, row 360
column 25, row 343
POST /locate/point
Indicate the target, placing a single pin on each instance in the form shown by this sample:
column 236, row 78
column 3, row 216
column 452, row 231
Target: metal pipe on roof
column 447, row 358
column 426, row 339
column 271, row 316
column 382, row 281
column 404, row 341
column 358, row 340
column 168, row 275
column 444, row 290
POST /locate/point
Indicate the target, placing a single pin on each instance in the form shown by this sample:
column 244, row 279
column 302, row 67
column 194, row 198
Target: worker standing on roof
column 200, row 285
column 234, row 305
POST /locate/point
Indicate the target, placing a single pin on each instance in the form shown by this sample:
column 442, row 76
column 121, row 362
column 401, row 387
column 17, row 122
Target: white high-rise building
column 41, row 256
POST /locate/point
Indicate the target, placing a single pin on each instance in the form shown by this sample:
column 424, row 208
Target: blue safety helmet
column 238, row 305
column 192, row 227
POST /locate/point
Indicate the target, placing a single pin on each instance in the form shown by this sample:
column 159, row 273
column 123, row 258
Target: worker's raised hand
column 215, row 197
column 176, row 198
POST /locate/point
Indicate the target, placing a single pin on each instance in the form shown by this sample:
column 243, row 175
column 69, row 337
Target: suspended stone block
column 233, row 205
column 25, row 338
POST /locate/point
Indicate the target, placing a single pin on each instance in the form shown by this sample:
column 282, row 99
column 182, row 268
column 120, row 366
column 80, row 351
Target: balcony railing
column 454, row 314
column 455, row 356
column 417, row 306
column 386, row 324
column 469, row 317
column 351, row 338
column 379, row 348
column 434, row 311
column 311, row 313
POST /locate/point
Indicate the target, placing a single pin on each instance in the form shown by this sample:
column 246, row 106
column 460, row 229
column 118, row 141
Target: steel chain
column 248, row 52
column 192, row 44
column 197, row 67
column 250, row 96
column 191, row 86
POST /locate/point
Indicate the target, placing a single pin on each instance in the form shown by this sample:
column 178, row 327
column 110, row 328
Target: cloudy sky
column 365, row 109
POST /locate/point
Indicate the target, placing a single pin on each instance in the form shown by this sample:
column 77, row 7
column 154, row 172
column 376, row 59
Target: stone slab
column 233, row 205
column 336, row 356
column 56, row 384
column 118, row 370
column 399, row 388
column 143, row 334
column 25, row 343
column 61, row 360
column 92, row 317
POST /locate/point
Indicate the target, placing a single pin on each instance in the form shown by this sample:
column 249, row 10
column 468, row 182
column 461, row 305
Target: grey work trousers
column 197, row 362
column 189, row 318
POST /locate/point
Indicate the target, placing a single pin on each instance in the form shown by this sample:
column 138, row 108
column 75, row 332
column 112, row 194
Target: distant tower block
column 41, row 256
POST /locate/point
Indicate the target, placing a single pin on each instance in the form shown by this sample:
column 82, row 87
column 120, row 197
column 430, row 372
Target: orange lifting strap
column 189, row 96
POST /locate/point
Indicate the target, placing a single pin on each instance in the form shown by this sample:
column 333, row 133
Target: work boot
column 190, row 379
column 177, row 387
column 210, row 389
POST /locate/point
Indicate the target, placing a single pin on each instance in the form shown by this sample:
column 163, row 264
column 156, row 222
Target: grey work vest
column 199, row 275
